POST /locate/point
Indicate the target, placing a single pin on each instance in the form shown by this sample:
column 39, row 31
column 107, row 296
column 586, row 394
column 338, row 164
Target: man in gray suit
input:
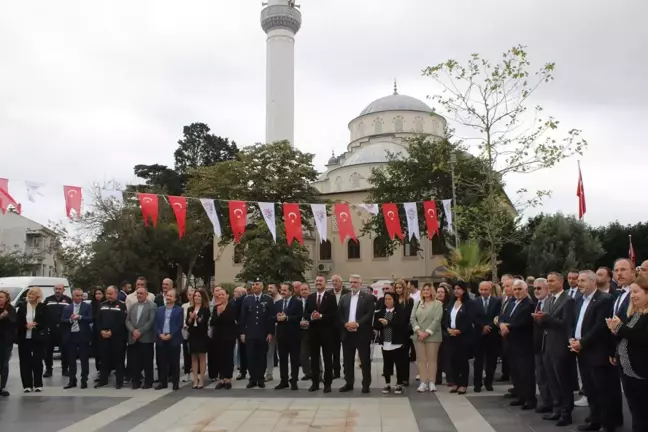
column 141, row 336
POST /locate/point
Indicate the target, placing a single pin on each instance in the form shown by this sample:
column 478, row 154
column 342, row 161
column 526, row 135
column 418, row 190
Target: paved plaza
column 263, row 410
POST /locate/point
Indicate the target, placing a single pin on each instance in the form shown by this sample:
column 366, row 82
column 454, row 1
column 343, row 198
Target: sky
column 90, row 89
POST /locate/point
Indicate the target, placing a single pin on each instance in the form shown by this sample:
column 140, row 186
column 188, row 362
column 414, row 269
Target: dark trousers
column 289, row 349
column 636, row 393
column 96, row 351
column 5, row 356
column 30, row 355
column 113, row 353
column 598, row 384
column 168, row 356
column 443, row 364
column 243, row 363
column 458, row 356
column 140, row 359
column 223, row 359
column 486, row 353
column 212, row 352
column 337, row 349
column 522, row 370
column 76, row 348
column 319, row 341
column 186, row 357
column 256, row 352
column 559, row 371
column 354, row 342
column 542, row 381
column 399, row 358
column 54, row 340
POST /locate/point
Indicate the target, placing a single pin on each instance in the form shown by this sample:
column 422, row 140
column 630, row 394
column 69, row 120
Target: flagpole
column 580, row 177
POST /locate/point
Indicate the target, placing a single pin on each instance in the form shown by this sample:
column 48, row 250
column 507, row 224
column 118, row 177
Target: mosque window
column 378, row 126
column 334, row 225
column 418, row 124
column 398, row 124
column 354, row 179
column 239, row 251
column 325, row 251
column 338, row 184
column 353, row 249
column 379, row 250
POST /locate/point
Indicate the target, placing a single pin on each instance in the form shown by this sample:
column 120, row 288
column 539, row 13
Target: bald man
column 167, row 284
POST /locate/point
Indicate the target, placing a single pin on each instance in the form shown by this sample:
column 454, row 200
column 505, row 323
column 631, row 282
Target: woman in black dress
column 224, row 334
column 198, row 323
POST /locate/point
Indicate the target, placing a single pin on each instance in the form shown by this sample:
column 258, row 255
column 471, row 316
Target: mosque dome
column 376, row 152
column 396, row 102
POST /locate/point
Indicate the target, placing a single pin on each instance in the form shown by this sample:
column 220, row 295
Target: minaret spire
column 395, row 87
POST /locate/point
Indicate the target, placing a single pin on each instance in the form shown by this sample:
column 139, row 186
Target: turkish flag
column 73, row 195
column 392, row 220
column 344, row 222
column 431, row 218
column 292, row 220
column 238, row 218
column 179, row 207
column 149, row 205
column 580, row 193
column 7, row 200
column 4, row 185
column 631, row 252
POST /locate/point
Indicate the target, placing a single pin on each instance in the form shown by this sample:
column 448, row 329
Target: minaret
column 281, row 21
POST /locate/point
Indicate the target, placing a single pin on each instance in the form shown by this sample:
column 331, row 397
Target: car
column 18, row 286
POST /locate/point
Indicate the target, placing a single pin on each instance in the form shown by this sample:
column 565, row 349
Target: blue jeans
column 5, row 356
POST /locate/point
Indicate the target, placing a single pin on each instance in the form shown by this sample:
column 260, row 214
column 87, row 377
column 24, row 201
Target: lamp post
column 453, row 162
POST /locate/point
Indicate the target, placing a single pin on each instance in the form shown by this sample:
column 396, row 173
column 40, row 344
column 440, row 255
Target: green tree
column 17, row 262
column 424, row 174
column 268, row 173
column 467, row 262
column 489, row 103
column 616, row 242
column 513, row 259
column 560, row 243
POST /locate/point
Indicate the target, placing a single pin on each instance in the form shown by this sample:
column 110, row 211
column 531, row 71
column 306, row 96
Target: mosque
column 382, row 127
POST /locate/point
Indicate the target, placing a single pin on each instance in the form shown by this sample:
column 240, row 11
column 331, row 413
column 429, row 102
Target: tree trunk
column 192, row 264
column 494, row 266
column 179, row 284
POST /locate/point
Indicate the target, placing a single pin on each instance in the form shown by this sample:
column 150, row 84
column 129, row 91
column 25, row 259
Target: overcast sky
column 89, row 89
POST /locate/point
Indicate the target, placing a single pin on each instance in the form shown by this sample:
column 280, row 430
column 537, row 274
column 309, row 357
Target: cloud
column 90, row 89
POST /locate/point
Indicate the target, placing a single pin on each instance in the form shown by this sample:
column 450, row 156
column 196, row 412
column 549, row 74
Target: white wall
column 19, row 232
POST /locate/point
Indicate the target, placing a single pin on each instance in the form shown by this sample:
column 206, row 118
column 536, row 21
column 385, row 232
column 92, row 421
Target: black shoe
column 543, row 410
column 84, row 384
column 97, row 379
column 119, row 386
column 517, row 403
column 552, row 416
column 327, row 389
column 100, row 384
column 293, row 386
column 477, row 390
column 365, row 390
column 489, row 387
column 135, row 385
column 346, row 388
column 529, row 406
column 147, row 386
column 161, row 386
column 70, row 385
column 589, row 427
column 176, row 386
column 281, row 386
column 251, row 384
column 227, row 386
column 4, row 393
column 564, row 421
column 510, row 396
column 240, row 377
column 261, row 383
column 313, row 388
column 219, row 386
column 48, row 373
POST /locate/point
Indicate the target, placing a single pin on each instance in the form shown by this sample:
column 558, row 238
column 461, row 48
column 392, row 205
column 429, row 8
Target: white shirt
column 453, row 317
column 31, row 312
column 353, row 306
column 621, row 299
column 338, row 295
column 581, row 316
column 416, row 295
column 388, row 346
column 517, row 302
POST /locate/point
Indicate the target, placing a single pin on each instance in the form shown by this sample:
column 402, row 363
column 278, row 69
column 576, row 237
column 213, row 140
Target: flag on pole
column 580, row 193
column 631, row 252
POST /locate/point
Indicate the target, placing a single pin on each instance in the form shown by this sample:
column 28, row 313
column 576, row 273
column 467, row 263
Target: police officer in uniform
column 256, row 331
column 55, row 305
column 111, row 324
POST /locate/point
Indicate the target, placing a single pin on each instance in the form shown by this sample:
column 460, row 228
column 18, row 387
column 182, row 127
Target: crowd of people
column 588, row 334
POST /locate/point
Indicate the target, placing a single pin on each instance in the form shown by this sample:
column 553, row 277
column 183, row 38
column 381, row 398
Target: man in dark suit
column 76, row 336
column 542, row 305
column 572, row 282
column 169, row 321
column 488, row 343
column 507, row 304
column 256, row 331
column 287, row 314
column 592, row 342
column 518, row 331
column 355, row 315
column 339, row 291
column 125, row 289
column 321, row 314
column 55, row 305
column 625, row 274
column 557, row 324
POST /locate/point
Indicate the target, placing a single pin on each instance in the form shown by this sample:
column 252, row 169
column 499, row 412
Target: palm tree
column 467, row 262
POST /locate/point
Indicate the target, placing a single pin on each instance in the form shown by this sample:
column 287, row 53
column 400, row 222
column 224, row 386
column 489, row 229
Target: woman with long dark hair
column 198, row 321
column 7, row 338
column 391, row 322
column 406, row 303
column 460, row 330
column 225, row 332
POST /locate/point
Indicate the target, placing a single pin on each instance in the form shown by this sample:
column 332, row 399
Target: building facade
column 18, row 233
column 381, row 129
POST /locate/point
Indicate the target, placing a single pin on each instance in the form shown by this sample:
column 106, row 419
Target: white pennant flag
column 412, row 220
column 447, row 208
column 112, row 195
column 34, row 190
column 319, row 211
column 371, row 208
column 268, row 212
column 210, row 209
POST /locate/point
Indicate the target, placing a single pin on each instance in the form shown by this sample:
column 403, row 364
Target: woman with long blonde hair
column 426, row 317
column 31, row 319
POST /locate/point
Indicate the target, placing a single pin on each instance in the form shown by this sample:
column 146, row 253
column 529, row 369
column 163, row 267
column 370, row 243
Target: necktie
column 75, row 324
column 539, row 306
column 258, row 299
column 319, row 300
column 486, row 305
column 285, row 305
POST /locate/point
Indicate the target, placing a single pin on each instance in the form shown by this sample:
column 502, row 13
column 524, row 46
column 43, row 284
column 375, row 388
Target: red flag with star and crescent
column 293, row 223
column 431, row 218
column 631, row 252
column 179, row 207
column 7, row 200
column 580, row 193
column 238, row 218
column 73, row 196
column 392, row 220
column 344, row 222
column 149, row 205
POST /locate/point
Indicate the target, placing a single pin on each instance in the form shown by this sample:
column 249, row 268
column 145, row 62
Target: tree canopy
column 17, row 262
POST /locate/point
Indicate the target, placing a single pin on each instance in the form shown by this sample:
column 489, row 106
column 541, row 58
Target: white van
column 19, row 285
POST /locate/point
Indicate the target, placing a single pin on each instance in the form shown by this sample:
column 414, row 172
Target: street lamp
column 453, row 162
